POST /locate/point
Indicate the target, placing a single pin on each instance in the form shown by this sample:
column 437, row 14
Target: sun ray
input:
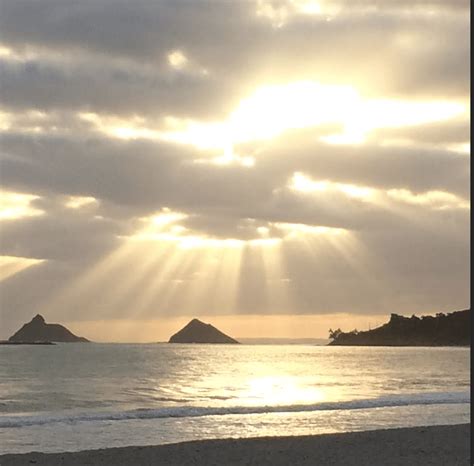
column 253, row 291
column 222, row 288
column 134, row 275
column 148, row 296
column 173, row 285
column 94, row 280
column 277, row 278
column 11, row 265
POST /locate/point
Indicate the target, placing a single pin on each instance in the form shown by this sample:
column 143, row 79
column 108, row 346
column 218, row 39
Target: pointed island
column 37, row 331
column 451, row 329
column 199, row 332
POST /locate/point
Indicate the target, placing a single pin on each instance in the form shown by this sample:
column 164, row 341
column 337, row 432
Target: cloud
column 121, row 64
column 455, row 130
column 120, row 90
column 148, row 175
column 60, row 234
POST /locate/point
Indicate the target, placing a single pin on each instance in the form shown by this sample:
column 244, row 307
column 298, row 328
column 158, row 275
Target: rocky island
column 199, row 332
column 38, row 331
column 451, row 329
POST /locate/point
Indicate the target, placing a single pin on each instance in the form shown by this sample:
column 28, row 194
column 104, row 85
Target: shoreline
column 435, row 445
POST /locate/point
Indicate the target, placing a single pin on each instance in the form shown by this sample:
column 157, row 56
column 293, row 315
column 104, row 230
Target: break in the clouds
column 163, row 159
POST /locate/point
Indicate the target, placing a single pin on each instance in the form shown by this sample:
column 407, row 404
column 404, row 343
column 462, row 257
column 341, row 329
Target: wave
column 199, row 411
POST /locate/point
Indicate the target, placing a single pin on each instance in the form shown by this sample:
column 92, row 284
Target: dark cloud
column 142, row 30
column 123, row 91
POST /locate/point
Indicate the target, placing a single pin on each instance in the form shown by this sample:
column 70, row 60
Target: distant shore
column 419, row 446
column 7, row 342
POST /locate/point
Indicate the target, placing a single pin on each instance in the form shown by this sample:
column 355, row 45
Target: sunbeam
column 10, row 265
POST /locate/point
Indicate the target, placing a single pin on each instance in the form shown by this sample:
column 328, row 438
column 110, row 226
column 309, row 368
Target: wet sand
column 419, row 446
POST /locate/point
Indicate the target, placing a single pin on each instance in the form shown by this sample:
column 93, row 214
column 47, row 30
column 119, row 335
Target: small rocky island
column 38, row 331
column 199, row 332
column 451, row 329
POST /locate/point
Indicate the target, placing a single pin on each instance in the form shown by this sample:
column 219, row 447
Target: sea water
column 71, row 397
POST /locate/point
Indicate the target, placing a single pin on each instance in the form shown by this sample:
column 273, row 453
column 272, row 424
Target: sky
column 275, row 168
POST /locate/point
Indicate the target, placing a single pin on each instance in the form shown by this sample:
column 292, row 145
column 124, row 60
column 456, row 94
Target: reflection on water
column 279, row 390
column 83, row 395
column 123, row 376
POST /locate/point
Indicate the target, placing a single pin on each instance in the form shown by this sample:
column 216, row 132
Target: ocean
column 71, row 397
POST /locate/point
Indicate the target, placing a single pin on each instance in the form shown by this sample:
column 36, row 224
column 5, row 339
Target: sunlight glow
column 308, row 7
column 166, row 217
column 351, row 190
column 435, row 199
column 279, row 390
column 273, row 109
column 10, row 265
column 5, row 52
column 369, row 115
column 5, row 121
column 463, row 148
column 17, row 205
column 279, row 12
column 164, row 227
column 303, row 183
column 28, row 121
column 177, row 59
column 229, row 157
column 185, row 240
column 295, row 229
column 76, row 202
column 270, row 110
column 192, row 242
column 132, row 128
column 300, row 182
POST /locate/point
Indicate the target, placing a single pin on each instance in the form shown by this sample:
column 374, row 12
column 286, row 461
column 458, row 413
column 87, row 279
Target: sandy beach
column 436, row 445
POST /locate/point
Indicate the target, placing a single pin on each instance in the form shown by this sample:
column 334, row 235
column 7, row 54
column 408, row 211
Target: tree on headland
column 451, row 329
column 333, row 334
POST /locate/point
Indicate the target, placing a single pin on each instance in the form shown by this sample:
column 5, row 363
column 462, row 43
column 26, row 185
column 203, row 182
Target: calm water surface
column 82, row 396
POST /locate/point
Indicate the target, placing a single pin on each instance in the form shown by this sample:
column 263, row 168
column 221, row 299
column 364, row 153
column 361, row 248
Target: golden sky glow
column 271, row 110
column 16, row 205
column 245, row 326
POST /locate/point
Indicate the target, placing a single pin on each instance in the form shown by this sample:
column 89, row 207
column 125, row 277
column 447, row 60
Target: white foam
column 199, row 411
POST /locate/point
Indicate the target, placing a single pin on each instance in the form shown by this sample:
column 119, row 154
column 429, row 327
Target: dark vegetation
column 451, row 329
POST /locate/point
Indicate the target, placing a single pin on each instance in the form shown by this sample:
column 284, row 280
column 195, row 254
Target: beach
column 435, row 445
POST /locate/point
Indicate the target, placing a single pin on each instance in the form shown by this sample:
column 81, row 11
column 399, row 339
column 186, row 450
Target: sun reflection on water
column 279, row 390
